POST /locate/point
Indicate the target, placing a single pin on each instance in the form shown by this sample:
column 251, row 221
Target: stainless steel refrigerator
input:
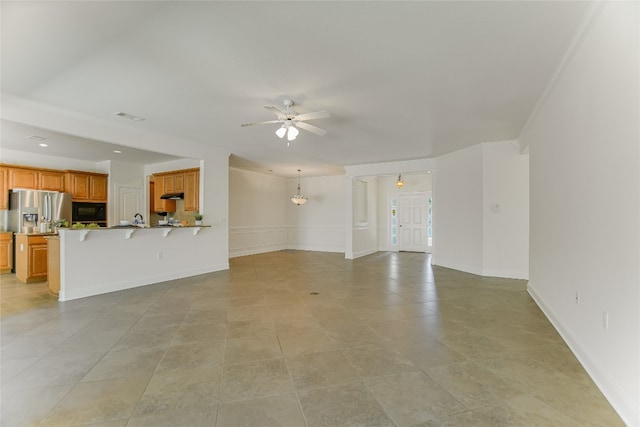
column 29, row 208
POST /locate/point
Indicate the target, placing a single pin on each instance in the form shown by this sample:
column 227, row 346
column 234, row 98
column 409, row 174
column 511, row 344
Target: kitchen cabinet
column 185, row 181
column 98, row 188
column 173, row 183
column 31, row 258
column 192, row 190
column 53, row 264
column 86, row 186
column 51, row 180
column 35, row 179
column 4, row 188
column 24, row 178
column 161, row 205
column 6, row 252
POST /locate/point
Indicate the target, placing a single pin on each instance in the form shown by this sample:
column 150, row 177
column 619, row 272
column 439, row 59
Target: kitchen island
column 102, row 260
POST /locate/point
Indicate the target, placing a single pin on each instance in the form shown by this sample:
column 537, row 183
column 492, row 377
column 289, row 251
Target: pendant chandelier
column 299, row 199
column 400, row 182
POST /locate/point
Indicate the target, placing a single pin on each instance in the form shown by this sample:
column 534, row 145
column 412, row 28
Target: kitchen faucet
column 135, row 219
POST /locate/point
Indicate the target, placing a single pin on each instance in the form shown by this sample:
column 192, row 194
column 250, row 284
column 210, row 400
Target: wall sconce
column 399, row 182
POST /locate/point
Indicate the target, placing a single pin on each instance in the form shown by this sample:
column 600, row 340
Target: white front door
column 413, row 223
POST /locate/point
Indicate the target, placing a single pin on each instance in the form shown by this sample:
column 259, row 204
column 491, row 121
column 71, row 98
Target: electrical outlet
column 605, row 320
column 577, row 298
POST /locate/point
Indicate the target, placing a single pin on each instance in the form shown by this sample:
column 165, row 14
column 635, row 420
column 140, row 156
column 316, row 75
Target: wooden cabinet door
column 161, row 205
column 158, row 190
column 169, row 184
column 178, row 183
column 191, row 190
column 38, row 261
column 23, row 178
column 87, row 187
column 77, row 185
column 4, row 189
column 51, row 181
column 98, row 188
column 6, row 252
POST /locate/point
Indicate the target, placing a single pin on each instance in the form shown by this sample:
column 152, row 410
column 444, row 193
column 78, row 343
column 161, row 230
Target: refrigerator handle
column 47, row 207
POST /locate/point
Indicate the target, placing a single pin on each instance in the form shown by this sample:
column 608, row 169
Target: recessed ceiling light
column 36, row 137
column 42, row 144
column 130, row 116
column 117, row 151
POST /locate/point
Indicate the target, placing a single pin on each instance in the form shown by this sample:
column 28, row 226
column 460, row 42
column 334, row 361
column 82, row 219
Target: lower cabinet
column 31, row 258
column 53, row 256
column 6, row 252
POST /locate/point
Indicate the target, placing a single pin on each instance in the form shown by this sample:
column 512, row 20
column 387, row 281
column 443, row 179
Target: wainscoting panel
column 255, row 240
column 325, row 239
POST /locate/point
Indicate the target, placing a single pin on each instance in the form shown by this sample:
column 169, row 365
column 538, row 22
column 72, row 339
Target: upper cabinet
column 51, row 180
column 86, row 186
column 28, row 178
column 192, row 190
column 83, row 186
column 161, row 205
column 4, row 187
column 23, row 178
column 185, row 181
column 35, row 179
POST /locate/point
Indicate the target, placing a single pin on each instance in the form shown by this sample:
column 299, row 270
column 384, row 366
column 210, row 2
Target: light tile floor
column 291, row 339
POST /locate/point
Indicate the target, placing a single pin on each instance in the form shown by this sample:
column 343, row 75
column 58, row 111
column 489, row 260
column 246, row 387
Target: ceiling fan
column 291, row 121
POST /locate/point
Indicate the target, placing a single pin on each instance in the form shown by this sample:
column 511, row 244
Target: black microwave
column 88, row 212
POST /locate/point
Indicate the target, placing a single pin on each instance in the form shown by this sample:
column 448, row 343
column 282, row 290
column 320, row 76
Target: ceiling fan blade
column 311, row 128
column 260, row 123
column 276, row 111
column 314, row 115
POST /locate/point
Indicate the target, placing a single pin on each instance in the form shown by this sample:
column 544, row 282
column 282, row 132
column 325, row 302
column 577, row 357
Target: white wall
column 257, row 212
column 263, row 219
column 319, row 224
column 365, row 234
column 585, row 204
column 457, row 211
column 505, row 185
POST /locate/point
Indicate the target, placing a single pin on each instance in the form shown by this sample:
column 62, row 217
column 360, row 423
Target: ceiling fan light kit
column 291, row 121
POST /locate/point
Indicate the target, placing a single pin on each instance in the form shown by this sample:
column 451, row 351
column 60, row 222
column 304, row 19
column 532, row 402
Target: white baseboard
column 238, row 252
column 626, row 409
column 506, row 274
column 459, row 267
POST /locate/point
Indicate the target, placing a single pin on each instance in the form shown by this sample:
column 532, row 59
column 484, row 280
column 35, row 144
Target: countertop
column 116, row 227
column 34, row 234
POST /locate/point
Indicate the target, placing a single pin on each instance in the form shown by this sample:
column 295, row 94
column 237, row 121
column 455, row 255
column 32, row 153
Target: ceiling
column 401, row 80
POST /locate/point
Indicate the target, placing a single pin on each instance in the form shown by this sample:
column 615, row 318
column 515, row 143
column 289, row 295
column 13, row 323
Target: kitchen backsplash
column 178, row 215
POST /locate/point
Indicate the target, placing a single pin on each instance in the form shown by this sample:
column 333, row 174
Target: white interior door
column 412, row 232
column 129, row 203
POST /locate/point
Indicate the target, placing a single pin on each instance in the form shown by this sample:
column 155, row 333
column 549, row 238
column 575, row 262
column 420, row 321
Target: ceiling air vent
column 130, row 116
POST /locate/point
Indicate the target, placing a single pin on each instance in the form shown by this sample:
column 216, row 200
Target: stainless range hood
column 172, row 196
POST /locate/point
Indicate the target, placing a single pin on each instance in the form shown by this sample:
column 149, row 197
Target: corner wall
column 505, row 213
column 457, row 211
column 585, row 204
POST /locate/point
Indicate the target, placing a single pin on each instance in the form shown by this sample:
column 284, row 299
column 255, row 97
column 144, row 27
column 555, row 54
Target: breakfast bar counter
column 95, row 261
